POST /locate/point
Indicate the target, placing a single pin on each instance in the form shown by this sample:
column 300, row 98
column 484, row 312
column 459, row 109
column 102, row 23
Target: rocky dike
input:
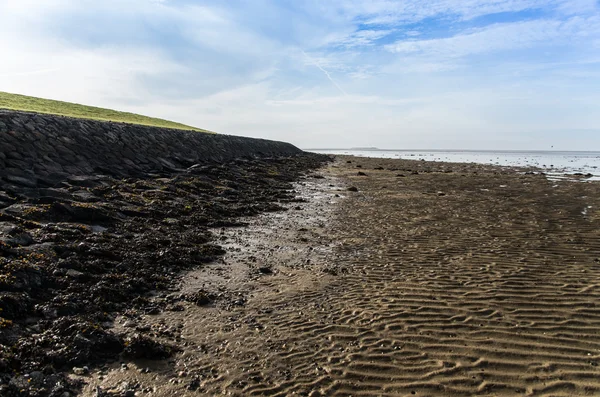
column 99, row 220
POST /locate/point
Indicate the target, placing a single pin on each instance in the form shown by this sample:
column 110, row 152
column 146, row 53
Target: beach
column 390, row 277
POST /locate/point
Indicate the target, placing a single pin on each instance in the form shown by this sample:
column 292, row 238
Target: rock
column 441, row 193
column 194, row 384
column 55, row 193
column 138, row 346
column 14, row 305
column 22, row 239
column 74, row 273
column 80, row 371
column 23, row 181
column 359, row 173
column 6, row 198
column 13, row 235
column 84, row 180
column 200, row 298
column 83, row 213
column 265, row 270
column 353, row 189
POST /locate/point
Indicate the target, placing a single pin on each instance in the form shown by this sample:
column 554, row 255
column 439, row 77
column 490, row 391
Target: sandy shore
column 431, row 279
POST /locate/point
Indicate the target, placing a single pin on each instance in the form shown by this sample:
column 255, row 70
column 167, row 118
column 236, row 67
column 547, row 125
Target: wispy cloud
column 325, row 72
column 389, row 12
column 499, row 37
column 363, row 38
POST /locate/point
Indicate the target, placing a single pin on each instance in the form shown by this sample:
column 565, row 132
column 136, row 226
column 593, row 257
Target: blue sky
column 432, row 74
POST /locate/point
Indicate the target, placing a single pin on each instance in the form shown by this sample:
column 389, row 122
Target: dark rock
column 12, row 235
column 138, row 347
column 360, row 173
column 265, row 270
column 353, row 189
column 74, row 274
column 84, row 180
column 14, row 305
column 21, row 180
column 82, row 213
column 200, row 298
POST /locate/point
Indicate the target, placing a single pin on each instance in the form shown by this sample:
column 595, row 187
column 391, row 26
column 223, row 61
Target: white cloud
column 392, row 12
column 499, row 37
column 363, row 38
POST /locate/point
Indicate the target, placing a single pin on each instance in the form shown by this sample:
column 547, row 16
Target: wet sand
column 433, row 279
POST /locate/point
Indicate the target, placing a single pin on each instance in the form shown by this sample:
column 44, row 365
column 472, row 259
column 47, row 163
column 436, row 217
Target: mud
column 426, row 279
column 78, row 257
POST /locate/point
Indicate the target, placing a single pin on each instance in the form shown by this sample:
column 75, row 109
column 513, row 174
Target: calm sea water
column 555, row 164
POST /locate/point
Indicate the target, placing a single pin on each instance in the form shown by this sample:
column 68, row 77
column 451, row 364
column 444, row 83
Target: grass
column 49, row 106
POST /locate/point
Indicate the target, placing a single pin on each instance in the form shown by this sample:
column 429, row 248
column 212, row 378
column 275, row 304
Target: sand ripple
column 471, row 282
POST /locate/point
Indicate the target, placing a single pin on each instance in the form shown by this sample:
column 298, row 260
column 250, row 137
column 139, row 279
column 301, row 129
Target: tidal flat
column 394, row 277
column 362, row 277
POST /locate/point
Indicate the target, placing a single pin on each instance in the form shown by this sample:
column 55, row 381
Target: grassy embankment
column 48, row 106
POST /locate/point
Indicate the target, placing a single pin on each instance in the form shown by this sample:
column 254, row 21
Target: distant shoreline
column 452, row 150
column 556, row 164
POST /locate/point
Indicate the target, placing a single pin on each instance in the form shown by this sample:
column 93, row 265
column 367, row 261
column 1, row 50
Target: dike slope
column 39, row 149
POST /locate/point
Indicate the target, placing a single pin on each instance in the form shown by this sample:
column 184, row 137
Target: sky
column 413, row 74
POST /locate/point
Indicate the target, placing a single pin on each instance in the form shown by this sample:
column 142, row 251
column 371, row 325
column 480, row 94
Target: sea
column 555, row 164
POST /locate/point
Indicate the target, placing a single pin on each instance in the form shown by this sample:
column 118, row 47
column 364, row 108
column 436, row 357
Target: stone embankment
column 99, row 220
column 37, row 149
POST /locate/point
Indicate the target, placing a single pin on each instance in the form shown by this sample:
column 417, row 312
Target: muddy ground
column 423, row 279
column 382, row 277
column 78, row 255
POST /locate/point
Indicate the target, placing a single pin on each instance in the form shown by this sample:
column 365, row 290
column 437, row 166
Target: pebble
column 81, row 371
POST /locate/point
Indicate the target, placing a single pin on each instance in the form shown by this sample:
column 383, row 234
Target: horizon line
column 455, row 150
